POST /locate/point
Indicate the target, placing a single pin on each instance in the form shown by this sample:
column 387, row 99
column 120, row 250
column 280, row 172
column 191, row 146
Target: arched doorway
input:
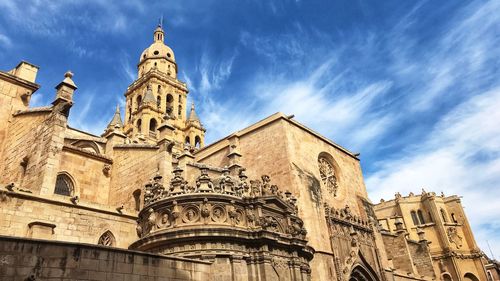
column 359, row 273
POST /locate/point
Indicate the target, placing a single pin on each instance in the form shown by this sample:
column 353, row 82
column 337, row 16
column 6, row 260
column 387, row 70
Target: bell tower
column 157, row 97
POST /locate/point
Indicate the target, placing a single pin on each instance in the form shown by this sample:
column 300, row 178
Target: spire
column 149, row 97
column 192, row 115
column 117, row 119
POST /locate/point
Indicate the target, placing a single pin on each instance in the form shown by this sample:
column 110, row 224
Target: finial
column 192, row 106
column 117, row 108
column 68, row 74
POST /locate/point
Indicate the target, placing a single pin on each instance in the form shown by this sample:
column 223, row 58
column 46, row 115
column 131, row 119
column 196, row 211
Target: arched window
column 158, row 101
column 137, row 199
column 139, row 101
column 470, row 277
column 430, row 217
column 129, row 113
column 170, row 98
column 107, row 239
column 197, row 141
column 414, row 217
column 420, row 217
column 64, row 185
column 180, row 111
column 446, row 277
column 327, row 173
column 443, row 215
column 139, row 125
column 159, row 90
column 152, row 125
column 188, row 141
column 453, row 218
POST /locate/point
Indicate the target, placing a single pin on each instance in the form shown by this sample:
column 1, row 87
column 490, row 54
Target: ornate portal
column 226, row 218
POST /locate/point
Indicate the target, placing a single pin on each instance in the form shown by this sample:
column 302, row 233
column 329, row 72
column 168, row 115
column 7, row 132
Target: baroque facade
column 148, row 198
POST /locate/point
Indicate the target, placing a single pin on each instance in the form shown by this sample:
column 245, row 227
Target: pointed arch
column 65, row 185
column 414, row 217
column 362, row 271
column 420, row 217
column 107, row 239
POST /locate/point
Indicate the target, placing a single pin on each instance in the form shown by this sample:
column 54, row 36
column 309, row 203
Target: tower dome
column 158, row 55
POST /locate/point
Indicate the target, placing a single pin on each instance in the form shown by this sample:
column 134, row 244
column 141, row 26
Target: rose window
column 327, row 174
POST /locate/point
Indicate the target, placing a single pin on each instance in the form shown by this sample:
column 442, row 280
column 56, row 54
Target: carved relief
column 190, row 214
column 454, row 237
column 218, row 214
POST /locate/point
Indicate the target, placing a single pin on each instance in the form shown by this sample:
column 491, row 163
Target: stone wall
column 421, row 258
column 133, row 167
column 398, row 252
column 29, row 259
column 24, row 215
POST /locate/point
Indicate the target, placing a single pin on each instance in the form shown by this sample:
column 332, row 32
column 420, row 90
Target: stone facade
column 441, row 224
column 273, row 201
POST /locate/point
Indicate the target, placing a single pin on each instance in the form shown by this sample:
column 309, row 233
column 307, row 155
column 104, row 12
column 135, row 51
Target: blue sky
column 413, row 86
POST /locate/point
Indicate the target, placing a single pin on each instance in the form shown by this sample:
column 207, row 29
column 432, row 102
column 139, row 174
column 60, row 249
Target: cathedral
column 149, row 200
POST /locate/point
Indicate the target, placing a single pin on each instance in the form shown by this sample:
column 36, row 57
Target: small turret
column 64, row 94
column 193, row 117
column 116, row 122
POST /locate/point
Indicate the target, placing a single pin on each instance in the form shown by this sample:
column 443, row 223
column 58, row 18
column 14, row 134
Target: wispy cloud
column 5, row 41
column 459, row 156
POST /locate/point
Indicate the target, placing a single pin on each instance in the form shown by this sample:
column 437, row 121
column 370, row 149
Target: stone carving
column 454, row 237
column 218, row 214
column 225, row 215
column 328, row 176
column 106, row 170
column 190, row 214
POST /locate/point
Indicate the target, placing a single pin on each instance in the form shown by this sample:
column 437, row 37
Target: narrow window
column 158, row 101
column 64, row 185
column 421, row 217
column 107, row 239
column 180, row 111
column 453, row 218
column 139, row 101
column 188, row 142
column 443, row 215
column 139, row 125
column 197, row 142
column 414, row 218
column 152, row 125
column 137, row 199
column 430, row 217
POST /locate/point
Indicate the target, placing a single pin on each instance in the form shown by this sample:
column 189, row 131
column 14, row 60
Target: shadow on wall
column 313, row 184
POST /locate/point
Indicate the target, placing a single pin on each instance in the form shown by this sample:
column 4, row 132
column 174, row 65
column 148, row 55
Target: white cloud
column 5, row 41
column 460, row 156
